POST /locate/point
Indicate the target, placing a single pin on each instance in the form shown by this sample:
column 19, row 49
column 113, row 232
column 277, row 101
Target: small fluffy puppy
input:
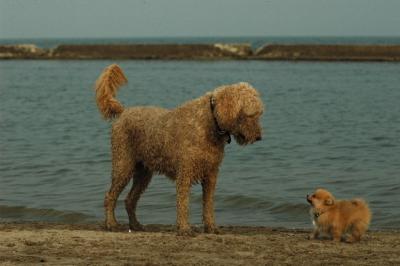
column 338, row 217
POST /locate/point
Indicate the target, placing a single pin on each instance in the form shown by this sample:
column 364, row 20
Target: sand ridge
column 63, row 244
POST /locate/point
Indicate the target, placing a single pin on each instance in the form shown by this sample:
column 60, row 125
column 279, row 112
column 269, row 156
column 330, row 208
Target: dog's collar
column 220, row 132
column 318, row 214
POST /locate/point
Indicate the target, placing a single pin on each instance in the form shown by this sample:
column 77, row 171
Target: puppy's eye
column 313, row 196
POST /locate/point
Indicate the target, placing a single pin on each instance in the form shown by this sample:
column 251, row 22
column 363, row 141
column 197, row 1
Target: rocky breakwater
column 153, row 51
column 218, row 51
column 329, row 52
column 21, row 51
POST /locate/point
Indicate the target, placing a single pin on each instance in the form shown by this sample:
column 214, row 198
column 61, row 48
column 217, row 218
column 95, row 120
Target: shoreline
column 215, row 51
column 47, row 243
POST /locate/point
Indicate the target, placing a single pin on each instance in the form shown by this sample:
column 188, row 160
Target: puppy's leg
column 183, row 183
column 337, row 234
column 358, row 229
column 208, row 186
column 315, row 233
column 141, row 180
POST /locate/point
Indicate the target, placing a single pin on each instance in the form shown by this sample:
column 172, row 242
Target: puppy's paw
column 186, row 232
column 351, row 239
column 314, row 236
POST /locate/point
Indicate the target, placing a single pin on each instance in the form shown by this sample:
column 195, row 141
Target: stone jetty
column 218, row 51
column 329, row 52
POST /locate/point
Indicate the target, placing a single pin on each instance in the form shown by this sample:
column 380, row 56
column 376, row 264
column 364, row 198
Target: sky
column 203, row 18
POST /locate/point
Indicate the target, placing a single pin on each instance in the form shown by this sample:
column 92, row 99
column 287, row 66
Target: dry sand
column 61, row 244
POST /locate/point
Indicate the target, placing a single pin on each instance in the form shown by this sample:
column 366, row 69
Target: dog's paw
column 186, row 232
column 136, row 227
column 113, row 227
column 211, row 230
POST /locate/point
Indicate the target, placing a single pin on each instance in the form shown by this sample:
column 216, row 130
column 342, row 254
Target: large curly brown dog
column 186, row 144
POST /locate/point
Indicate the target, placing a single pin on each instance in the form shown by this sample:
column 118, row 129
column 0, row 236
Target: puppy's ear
column 329, row 201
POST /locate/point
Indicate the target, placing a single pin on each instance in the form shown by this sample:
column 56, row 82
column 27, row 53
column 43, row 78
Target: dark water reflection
column 333, row 125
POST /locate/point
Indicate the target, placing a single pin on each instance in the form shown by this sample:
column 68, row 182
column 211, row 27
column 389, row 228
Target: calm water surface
column 332, row 125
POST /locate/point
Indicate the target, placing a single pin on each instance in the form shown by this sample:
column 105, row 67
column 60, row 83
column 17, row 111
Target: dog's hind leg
column 118, row 184
column 141, row 180
column 123, row 168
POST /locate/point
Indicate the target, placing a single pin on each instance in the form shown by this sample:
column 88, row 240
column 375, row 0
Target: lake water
column 333, row 125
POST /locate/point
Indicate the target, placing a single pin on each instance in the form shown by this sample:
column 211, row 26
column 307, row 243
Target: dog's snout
column 308, row 198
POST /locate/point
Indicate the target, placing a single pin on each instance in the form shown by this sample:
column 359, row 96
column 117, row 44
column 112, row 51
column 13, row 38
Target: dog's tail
column 106, row 87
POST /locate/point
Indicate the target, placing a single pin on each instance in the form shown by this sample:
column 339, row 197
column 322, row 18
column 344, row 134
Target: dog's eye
column 313, row 196
column 254, row 115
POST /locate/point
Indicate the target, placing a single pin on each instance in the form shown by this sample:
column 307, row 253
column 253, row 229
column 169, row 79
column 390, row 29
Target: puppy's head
column 238, row 109
column 321, row 199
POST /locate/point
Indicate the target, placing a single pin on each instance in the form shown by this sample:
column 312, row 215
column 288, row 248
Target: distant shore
column 60, row 244
column 217, row 51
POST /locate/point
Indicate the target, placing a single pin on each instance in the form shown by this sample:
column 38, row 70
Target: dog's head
column 321, row 198
column 238, row 109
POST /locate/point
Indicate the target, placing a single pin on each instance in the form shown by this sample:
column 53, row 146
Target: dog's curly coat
column 186, row 144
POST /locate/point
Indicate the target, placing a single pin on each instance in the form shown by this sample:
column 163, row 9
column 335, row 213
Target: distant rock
column 329, row 52
column 243, row 50
column 217, row 51
column 153, row 51
column 21, row 51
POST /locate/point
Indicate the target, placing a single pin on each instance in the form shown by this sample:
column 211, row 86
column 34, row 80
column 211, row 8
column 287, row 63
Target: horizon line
column 210, row 36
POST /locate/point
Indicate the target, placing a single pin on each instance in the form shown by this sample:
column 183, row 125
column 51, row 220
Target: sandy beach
column 63, row 244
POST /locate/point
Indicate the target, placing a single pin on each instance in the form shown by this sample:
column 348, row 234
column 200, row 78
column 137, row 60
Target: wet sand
column 63, row 244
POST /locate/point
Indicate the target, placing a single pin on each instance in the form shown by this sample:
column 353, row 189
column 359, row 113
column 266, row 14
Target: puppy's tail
column 363, row 205
column 358, row 202
column 106, row 87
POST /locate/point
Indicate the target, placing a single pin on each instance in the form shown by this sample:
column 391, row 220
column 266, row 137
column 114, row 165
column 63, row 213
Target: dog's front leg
column 183, row 184
column 314, row 234
column 208, row 186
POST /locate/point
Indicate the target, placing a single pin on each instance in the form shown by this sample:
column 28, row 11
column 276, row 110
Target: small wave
column 290, row 208
column 21, row 213
column 387, row 145
column 242, row 201
column 379, row 138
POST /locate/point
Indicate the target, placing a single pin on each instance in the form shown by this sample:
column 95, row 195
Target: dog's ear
column 329, row 201
column 252, row 108
column 251, row 103
column 231, row 101
column 227, row 107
